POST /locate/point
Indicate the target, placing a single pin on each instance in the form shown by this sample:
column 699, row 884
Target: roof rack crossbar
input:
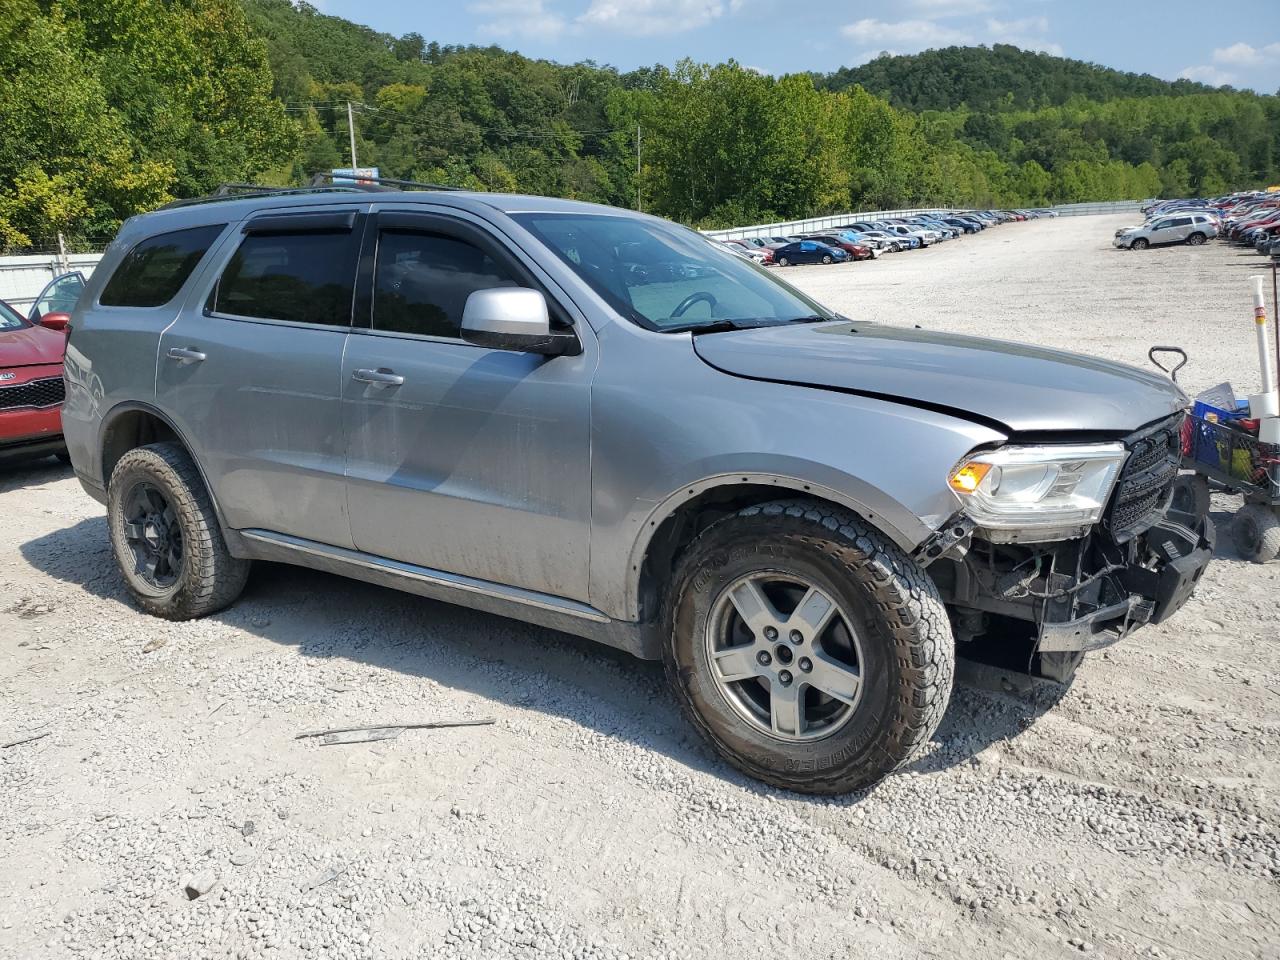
column 335, row 178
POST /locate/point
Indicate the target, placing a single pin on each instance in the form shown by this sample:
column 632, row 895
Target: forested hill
column 111, row 107
column 996, row 78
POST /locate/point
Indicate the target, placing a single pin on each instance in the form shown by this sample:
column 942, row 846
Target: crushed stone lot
column 1134, row 814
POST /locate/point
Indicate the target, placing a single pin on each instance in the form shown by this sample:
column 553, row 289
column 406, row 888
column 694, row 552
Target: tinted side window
column 422, row 281
column 152, row 273
column 1182, row 222
column 298, row 277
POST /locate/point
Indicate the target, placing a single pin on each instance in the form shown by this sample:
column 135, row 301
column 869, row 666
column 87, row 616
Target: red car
column 31, row 384
column 856, row 251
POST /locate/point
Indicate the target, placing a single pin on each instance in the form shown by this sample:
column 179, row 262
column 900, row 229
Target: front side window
column 422, row 281
column 152, row 273
column 665, row 277
column 61, row 295
column 295, row 277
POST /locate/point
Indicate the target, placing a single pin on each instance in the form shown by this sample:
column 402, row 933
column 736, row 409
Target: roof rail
column 235, row 191
column 337, row 179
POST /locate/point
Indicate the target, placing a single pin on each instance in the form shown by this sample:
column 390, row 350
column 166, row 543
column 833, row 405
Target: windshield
column 666, row 277
column 9, row 318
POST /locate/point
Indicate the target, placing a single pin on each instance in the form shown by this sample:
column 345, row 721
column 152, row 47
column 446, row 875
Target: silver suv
column 1190, row 228
column 603, row 423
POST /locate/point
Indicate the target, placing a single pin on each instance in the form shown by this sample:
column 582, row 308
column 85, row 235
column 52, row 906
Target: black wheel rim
column 153, row 535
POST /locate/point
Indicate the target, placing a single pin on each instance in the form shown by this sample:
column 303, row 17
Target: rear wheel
column 1196, row 239
column 1141, row 243
column 1256, row 533
column 810, row 651
column 165, row 535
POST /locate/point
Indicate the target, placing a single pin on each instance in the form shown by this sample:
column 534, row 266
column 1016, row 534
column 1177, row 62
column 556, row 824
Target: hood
column 28, row 346
column 1018, row 387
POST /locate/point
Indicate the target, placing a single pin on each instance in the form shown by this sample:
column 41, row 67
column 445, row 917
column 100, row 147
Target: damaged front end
column 1139, row 565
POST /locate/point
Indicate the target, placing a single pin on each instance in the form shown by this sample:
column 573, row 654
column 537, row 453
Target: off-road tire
column 906, row 637
column 210, row 577
column 1190, row 496
column 1256, row 533
column 1140, row 244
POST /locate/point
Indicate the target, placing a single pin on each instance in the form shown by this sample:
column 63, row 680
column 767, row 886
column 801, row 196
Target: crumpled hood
column 1020, row 387
column 27, row 346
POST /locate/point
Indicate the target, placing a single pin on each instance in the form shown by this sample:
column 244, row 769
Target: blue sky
column 1214, row 41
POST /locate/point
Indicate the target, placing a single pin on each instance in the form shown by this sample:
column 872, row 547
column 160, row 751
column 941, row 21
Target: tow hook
column 950, row 538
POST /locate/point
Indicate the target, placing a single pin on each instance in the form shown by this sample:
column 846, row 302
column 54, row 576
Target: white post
column 1266, row 405
column 63, row 262
column 351, row 128
column 1265, row 360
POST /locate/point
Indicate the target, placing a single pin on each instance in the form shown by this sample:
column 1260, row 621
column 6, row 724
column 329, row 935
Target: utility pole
column 351, row 128
column 638, row 206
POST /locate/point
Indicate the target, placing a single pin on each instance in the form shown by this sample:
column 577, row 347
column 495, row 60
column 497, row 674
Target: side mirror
column 513, row 318
column 55, row 321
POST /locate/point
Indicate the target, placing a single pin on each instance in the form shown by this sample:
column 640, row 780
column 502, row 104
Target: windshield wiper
column 723, row 325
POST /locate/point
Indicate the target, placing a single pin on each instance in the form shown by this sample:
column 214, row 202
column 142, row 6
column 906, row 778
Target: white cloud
column 1246, row 55
column 910, row 34
column 1208, row 74
column 1027, row 33
column 518, row 18
column 649, row 18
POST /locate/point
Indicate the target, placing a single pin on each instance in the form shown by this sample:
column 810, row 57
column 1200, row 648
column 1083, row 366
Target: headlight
column 1034, row 494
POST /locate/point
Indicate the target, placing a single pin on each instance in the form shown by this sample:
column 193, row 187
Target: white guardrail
column 22, row 278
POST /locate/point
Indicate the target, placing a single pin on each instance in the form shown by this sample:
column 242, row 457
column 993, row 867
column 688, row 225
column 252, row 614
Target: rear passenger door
column 249, row 371
column 463, row 458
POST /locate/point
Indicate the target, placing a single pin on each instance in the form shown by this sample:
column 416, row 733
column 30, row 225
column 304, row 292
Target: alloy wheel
column 785, row 656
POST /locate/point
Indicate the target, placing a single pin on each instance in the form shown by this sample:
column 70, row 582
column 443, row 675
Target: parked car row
column 1249, row 219
column 869, row 239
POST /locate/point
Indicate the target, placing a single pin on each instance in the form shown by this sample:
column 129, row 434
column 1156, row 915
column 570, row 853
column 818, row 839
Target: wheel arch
column 677, row 519
column 134, row 424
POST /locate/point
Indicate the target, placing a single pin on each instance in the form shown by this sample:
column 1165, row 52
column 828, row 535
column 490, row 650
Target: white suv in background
column 1192, row 228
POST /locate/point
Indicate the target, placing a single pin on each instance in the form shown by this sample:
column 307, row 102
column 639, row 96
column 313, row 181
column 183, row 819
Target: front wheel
column 810, row 651
column 784, row 262
column 826, row 258
column 1140, row 244
column 166, row 537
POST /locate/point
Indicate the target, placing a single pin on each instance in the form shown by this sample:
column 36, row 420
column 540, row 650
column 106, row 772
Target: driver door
column 462, row 458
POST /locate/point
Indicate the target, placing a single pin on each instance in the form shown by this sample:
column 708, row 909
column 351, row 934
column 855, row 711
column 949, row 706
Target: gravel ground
column 1133, row 814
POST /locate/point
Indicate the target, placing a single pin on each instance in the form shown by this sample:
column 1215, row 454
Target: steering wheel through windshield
column 700, row 296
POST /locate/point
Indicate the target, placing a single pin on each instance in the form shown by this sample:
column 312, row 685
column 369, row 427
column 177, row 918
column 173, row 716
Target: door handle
column 185, row 355
column 381, row 376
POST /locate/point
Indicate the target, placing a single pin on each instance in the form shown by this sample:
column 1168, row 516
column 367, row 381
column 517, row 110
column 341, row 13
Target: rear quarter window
column 152, row 273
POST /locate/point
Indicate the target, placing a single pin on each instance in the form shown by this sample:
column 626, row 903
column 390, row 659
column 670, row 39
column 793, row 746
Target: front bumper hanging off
column 1170, row 560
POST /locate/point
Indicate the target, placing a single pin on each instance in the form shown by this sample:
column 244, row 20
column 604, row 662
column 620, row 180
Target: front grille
column 33, row 393
column 1146, row 480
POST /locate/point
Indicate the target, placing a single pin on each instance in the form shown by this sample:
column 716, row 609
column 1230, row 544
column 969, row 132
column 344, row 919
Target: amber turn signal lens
column 967, row 478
